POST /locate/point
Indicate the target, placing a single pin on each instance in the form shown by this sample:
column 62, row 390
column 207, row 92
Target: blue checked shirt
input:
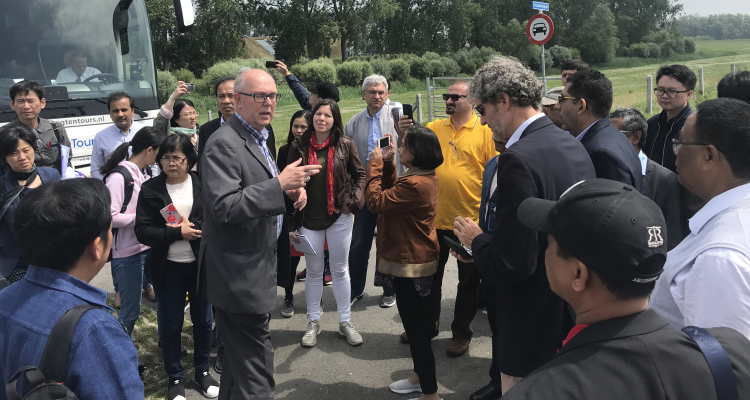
column 260, row 139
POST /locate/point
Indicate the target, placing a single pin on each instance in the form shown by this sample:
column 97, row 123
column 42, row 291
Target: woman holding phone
column 331, row 200
column 169, row 217
column 407, row 242
column 178, row 115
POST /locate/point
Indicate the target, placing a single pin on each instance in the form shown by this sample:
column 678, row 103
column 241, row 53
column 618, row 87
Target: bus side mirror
column 183, row 10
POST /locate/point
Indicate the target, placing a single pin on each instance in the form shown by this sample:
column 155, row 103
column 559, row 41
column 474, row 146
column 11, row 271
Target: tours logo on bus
column 81, row 121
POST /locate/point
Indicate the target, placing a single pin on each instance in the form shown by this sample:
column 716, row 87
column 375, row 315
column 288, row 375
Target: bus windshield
column 80, row 50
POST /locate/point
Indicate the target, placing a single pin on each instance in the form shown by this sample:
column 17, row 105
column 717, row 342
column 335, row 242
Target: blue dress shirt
column 375, row 134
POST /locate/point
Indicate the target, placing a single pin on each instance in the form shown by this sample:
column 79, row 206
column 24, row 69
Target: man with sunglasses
column 674, row 88
column 706, row 280
column 467, row 147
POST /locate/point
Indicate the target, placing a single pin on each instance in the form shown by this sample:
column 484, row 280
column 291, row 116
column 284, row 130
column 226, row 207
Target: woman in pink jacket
column 128, row 255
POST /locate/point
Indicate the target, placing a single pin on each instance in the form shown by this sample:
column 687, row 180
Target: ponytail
column 145, row 138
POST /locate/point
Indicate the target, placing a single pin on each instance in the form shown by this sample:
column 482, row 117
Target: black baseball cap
column 325, row 90
column 605, row 224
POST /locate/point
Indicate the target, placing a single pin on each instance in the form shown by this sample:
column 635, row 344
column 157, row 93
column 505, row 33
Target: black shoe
column 488, row 392
column 208, row 385
column 219, row 357
column 176, row 390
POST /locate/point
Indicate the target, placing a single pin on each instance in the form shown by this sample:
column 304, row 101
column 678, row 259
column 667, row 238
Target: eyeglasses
column 190, row 114
column 669, row 92
column 676, row 144
column 170, row 160
column 453, row 144
column 374, row 92
column 454, row 97
column 563, row 98
column 261, row 98
column 479, row 109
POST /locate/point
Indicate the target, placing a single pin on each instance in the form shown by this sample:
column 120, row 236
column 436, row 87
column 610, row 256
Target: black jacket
column 151, row 228
column 661, row 131
column 639, row 356
column 661, row 186
column 207, row 129
column 532, row 321
column 613, row 155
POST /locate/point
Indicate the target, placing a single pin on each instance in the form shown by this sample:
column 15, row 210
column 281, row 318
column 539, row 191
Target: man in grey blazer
column 244, row 206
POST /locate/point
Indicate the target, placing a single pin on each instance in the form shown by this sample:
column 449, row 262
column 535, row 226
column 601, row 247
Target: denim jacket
column 488, row 200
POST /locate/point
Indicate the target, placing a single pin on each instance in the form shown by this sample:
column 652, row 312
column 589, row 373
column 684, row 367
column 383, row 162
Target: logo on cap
column 654, row 236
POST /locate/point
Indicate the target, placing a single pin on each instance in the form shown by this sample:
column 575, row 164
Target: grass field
column 629, row 84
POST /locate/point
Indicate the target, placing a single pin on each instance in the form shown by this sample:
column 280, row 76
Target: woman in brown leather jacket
column 407, row 242
column 332, row 196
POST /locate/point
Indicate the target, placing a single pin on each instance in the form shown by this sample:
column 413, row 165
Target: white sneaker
column 404, row 386
column 310, row 338
column 347, row 330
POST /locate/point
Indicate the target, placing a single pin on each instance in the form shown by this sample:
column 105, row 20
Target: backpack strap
column 34, row 376
column 720, row 365
column 54, row 364
column 129, row 185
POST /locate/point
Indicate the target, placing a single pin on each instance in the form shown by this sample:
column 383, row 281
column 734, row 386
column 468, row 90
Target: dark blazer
column 151, row 229
column 238, row 264
column 613, row 155
column 661, row 186
column 639, row 356
column 532, row 321
column 661, row 131
column 207, row 129
column 9, row 247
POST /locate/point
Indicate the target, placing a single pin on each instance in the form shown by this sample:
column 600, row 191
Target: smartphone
column 171, row 215
column 408, row 111
column 459, row 248
column 190, row 87
column 271, row 64
column 384, row 142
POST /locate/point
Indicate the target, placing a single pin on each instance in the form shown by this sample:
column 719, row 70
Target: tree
column 637, row 18
column 163, row 26
column 304, row 28
column 597, row 37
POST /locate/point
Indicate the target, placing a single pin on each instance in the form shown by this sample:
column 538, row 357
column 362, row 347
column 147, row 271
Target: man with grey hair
column 366, row 128
column 527, row 319
column 548, row 105
column 244, row 195
column 659, row 183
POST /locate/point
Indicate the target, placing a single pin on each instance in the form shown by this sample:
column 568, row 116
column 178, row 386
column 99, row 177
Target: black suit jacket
column 639, row 356
column 207, row 129
column 661, row 186
column 532, row 321
column 613, row 155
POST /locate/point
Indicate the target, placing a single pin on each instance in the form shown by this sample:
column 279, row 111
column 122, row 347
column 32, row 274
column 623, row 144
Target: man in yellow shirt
column 467, row 147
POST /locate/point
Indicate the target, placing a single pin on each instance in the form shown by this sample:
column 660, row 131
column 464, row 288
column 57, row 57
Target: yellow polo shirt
column 466, row 151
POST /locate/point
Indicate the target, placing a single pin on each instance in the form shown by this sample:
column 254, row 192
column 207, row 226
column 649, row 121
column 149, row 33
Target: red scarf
column 312, row 159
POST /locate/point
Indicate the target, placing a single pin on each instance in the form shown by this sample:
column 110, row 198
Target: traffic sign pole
column 540, row 24
column 544, row 69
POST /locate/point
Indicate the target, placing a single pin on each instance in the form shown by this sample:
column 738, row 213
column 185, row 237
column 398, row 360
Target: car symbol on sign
column 539, row 27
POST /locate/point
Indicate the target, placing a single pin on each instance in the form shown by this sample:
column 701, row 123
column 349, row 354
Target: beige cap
column 552, row 95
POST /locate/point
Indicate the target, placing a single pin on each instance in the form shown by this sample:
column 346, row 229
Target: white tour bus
column 38, row 37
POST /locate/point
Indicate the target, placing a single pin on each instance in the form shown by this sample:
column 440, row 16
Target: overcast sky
column 706, row 7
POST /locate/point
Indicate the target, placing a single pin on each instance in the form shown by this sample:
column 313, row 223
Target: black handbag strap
column 54, row 364
column 721, row 368
column 11, row 196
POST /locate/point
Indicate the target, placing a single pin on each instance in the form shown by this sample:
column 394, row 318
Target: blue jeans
column 128, row 273
column 363, row 231
column 179, row 279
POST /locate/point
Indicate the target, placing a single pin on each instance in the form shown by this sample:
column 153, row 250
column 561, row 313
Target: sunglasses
column 479, row 109
column 454, row 97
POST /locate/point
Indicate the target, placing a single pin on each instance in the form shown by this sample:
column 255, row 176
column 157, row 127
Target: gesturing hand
column 295, row 176
column 299, row 196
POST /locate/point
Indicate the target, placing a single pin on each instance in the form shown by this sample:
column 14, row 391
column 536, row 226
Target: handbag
column 718, row 362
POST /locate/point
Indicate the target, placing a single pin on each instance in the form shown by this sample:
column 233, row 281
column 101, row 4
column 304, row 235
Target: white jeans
column 339, row 237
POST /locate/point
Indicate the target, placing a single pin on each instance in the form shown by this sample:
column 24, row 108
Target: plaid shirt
column 260, row 139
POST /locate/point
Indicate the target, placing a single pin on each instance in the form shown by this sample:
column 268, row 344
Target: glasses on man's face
column 261, row 98
column 454, row 97
column 563, row 98
column 381, row 93
column 676, row 144
column 479, row 109
column 189, row 115
column 173, row 159
column 669, row 92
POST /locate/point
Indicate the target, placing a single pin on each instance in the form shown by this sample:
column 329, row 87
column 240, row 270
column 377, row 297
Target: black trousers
column 467, row 297
column 289, row 289
column 490, row 299
column 419, row 328
column 248, row 359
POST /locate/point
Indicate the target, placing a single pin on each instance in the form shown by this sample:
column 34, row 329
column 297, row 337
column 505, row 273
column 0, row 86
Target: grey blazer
column 241, row 201
column 661, row 186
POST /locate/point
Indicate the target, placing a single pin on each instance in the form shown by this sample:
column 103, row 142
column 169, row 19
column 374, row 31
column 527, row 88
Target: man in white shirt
column 706, row 280
column 121, row 110
column 78, row 71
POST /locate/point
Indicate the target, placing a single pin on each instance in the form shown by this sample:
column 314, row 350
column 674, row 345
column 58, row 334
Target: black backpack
column 129, row 185
column 48, row 380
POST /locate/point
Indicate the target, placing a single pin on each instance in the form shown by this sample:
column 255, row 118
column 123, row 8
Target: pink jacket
column 125, row 244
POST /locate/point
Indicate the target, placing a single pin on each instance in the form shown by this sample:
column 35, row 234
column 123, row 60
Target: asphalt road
column 335, row 370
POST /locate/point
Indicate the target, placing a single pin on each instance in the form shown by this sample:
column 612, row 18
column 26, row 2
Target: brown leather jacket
column 348, row 177
column 407, row 240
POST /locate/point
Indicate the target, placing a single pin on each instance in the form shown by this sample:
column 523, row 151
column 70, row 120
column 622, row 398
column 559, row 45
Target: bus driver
column 78, row 71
